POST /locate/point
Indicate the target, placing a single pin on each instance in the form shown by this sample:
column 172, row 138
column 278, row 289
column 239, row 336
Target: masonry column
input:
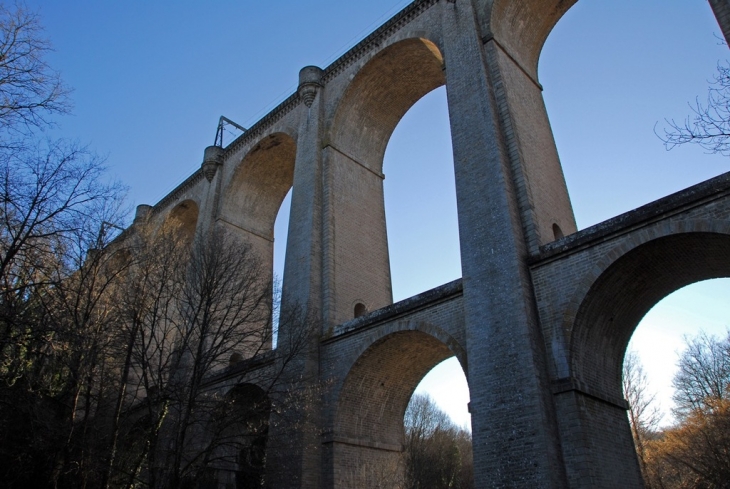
column 721, row 9
column 299, row 448
column 302, row 268
column 513, row 422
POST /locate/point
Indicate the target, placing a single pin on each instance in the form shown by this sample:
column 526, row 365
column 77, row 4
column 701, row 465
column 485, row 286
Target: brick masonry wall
column 370, row 368
column 531, row 322
column 721, row 9
column 594, row 287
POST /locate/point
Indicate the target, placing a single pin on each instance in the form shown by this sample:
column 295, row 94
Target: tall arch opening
column 367, row 443
column 380, row 95
column 608, row 317
column 241, row 431
column 281, row 231
column 256, row 205
column 392, row 135
column 612, row 70
column 420, row 199
column 608, row 96
column 255, row 194
column 375, row 102
column 662, row 334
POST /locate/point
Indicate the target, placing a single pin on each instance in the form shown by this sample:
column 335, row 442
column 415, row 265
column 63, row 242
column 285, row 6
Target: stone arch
column 379, row 96
column 629, row 281
column 359, row 309
column 439, row 334
column 521, row 28
column 631, row 278
column 254, row 194
column 557, row 232
column 368, row 426
column 183, row 220
column 243, row 427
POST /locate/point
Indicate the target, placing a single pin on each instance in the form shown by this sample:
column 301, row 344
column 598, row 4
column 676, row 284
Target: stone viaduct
column 542, row 316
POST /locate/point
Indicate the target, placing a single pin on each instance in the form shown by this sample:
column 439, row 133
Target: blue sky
column 151, row 79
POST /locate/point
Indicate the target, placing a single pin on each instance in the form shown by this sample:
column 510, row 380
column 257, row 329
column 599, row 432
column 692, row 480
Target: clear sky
column 152, row 78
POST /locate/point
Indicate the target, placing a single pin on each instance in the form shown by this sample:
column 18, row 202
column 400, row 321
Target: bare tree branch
column 704, row 373
column 644, row 415
column 709, row 126
column 30, row 90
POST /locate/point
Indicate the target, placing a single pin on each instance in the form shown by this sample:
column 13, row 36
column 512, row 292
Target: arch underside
column 243, row 431
column 628, row 289
column 183, row 220
column 380, row 95
column 256, row 191
column 368, row 431
column 522, row 27
column 259, row 185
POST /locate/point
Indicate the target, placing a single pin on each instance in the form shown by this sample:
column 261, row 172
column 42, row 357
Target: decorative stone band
column 357, row 442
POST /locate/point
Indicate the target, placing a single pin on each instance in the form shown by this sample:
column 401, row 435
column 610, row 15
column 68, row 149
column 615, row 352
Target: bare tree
column 644, row 415
column 30, row 90
column 138, row 334
column 57, row 216
column 437, row 453
column 224, row 309
column 54, row 204
column 709, row 124
column 81, row 317
column 704, row 373
column 144, row 299
column 694, row 453
column 111, row 353
column 190, row 312
column 54, row 321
